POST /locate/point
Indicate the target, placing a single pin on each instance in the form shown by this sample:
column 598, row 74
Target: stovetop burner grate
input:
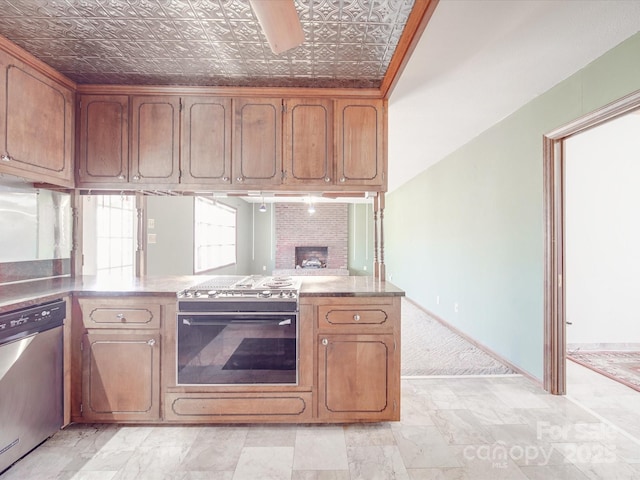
column 278, row 284
column 220, row 283
column 252, row 286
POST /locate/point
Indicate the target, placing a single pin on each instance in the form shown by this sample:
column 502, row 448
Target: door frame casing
column 554, row 235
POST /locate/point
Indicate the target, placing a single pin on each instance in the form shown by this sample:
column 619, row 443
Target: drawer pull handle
column 121, row 317
column 151, row 342
column 325, row 342
column 356, row 317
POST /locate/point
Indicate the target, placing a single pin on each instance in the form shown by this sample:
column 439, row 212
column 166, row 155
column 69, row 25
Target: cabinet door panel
column 104, row 138
column 155, row 139
column 354, row 373
column 206, row 140
column 257, row 154
column 360, row 135
column 37, row 123
column 308, row 141
column 121, row 376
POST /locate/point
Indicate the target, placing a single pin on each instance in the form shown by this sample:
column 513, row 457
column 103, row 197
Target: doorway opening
column 555, row 236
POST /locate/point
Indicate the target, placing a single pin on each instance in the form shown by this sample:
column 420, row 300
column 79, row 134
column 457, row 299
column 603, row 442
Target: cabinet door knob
column 136, row 177
column 343, row 179
column 120, row 177
column 121, row 317
column 327, row 179
column 240, row 179
column 356, row 317
column 325, row 342
column 151, row 342
column 225, row 179
column 6, row 158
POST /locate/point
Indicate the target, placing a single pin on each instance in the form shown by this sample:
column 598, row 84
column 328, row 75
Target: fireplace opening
column 311, row 257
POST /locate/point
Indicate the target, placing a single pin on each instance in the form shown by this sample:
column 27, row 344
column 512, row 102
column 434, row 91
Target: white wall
column 603, row 233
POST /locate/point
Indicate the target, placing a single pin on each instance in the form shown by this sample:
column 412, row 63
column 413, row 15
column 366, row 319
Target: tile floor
column 502, row 427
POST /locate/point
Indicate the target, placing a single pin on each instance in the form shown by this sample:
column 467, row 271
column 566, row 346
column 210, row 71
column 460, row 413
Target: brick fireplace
column 327, row 227
column 311, row 257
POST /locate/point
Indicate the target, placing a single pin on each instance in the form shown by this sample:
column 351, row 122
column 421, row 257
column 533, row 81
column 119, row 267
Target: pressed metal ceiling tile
column 348, row 43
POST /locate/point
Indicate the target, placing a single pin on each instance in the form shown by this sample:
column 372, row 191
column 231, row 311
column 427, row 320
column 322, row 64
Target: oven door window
column 238, row 348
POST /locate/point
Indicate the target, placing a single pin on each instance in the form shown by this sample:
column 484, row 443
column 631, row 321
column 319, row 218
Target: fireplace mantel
column 311, row 271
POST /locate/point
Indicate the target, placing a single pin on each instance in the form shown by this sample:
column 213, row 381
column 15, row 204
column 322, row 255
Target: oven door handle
column 204, row 323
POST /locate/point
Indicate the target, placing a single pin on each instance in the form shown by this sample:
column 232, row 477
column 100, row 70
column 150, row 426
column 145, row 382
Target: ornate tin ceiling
column 348, row 43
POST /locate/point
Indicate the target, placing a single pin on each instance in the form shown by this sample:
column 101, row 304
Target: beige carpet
column 430, row 348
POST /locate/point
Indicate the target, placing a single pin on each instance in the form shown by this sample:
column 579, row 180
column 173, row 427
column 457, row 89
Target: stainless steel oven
column 247, row 334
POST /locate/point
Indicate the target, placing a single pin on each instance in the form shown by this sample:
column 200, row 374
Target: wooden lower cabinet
column 121, row 376
column 349, row 366
column 358, row 359
column 357, row 379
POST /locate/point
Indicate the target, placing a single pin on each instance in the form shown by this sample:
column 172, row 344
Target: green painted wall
column 361, row 231
column 172, row 254
column 263, row 248
column 469, row 229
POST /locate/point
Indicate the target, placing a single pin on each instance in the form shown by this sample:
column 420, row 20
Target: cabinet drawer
column 114, row 313
column 240, row 407
column 338, row 316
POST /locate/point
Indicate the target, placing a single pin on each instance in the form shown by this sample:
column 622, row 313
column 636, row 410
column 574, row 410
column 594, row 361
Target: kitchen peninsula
column 123, row 350
column 121, row 354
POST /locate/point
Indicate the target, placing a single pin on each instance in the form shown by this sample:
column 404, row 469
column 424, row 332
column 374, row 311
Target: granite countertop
column 30, row 293
column 25, row 294
column 347, row 286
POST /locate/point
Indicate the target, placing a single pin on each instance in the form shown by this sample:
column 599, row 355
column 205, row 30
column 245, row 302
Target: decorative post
column 376, row 273
column 141, row 264
column 76, row 234
column 378, row 252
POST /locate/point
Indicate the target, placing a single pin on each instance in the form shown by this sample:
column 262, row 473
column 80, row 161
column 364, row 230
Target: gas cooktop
column 249, row 287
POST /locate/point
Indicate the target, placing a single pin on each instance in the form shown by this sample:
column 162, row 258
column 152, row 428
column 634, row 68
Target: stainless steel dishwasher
column 31, row 408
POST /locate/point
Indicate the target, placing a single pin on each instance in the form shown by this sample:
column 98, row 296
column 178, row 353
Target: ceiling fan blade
column 280, row 23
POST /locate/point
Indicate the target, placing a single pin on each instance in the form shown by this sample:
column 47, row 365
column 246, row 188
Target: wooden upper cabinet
column 206, row 141
column 104, row 139
column 308, row 141
column 360, row 132
column 155, row 140
column 36, row 124
column 296, row 144
column 257, row 152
